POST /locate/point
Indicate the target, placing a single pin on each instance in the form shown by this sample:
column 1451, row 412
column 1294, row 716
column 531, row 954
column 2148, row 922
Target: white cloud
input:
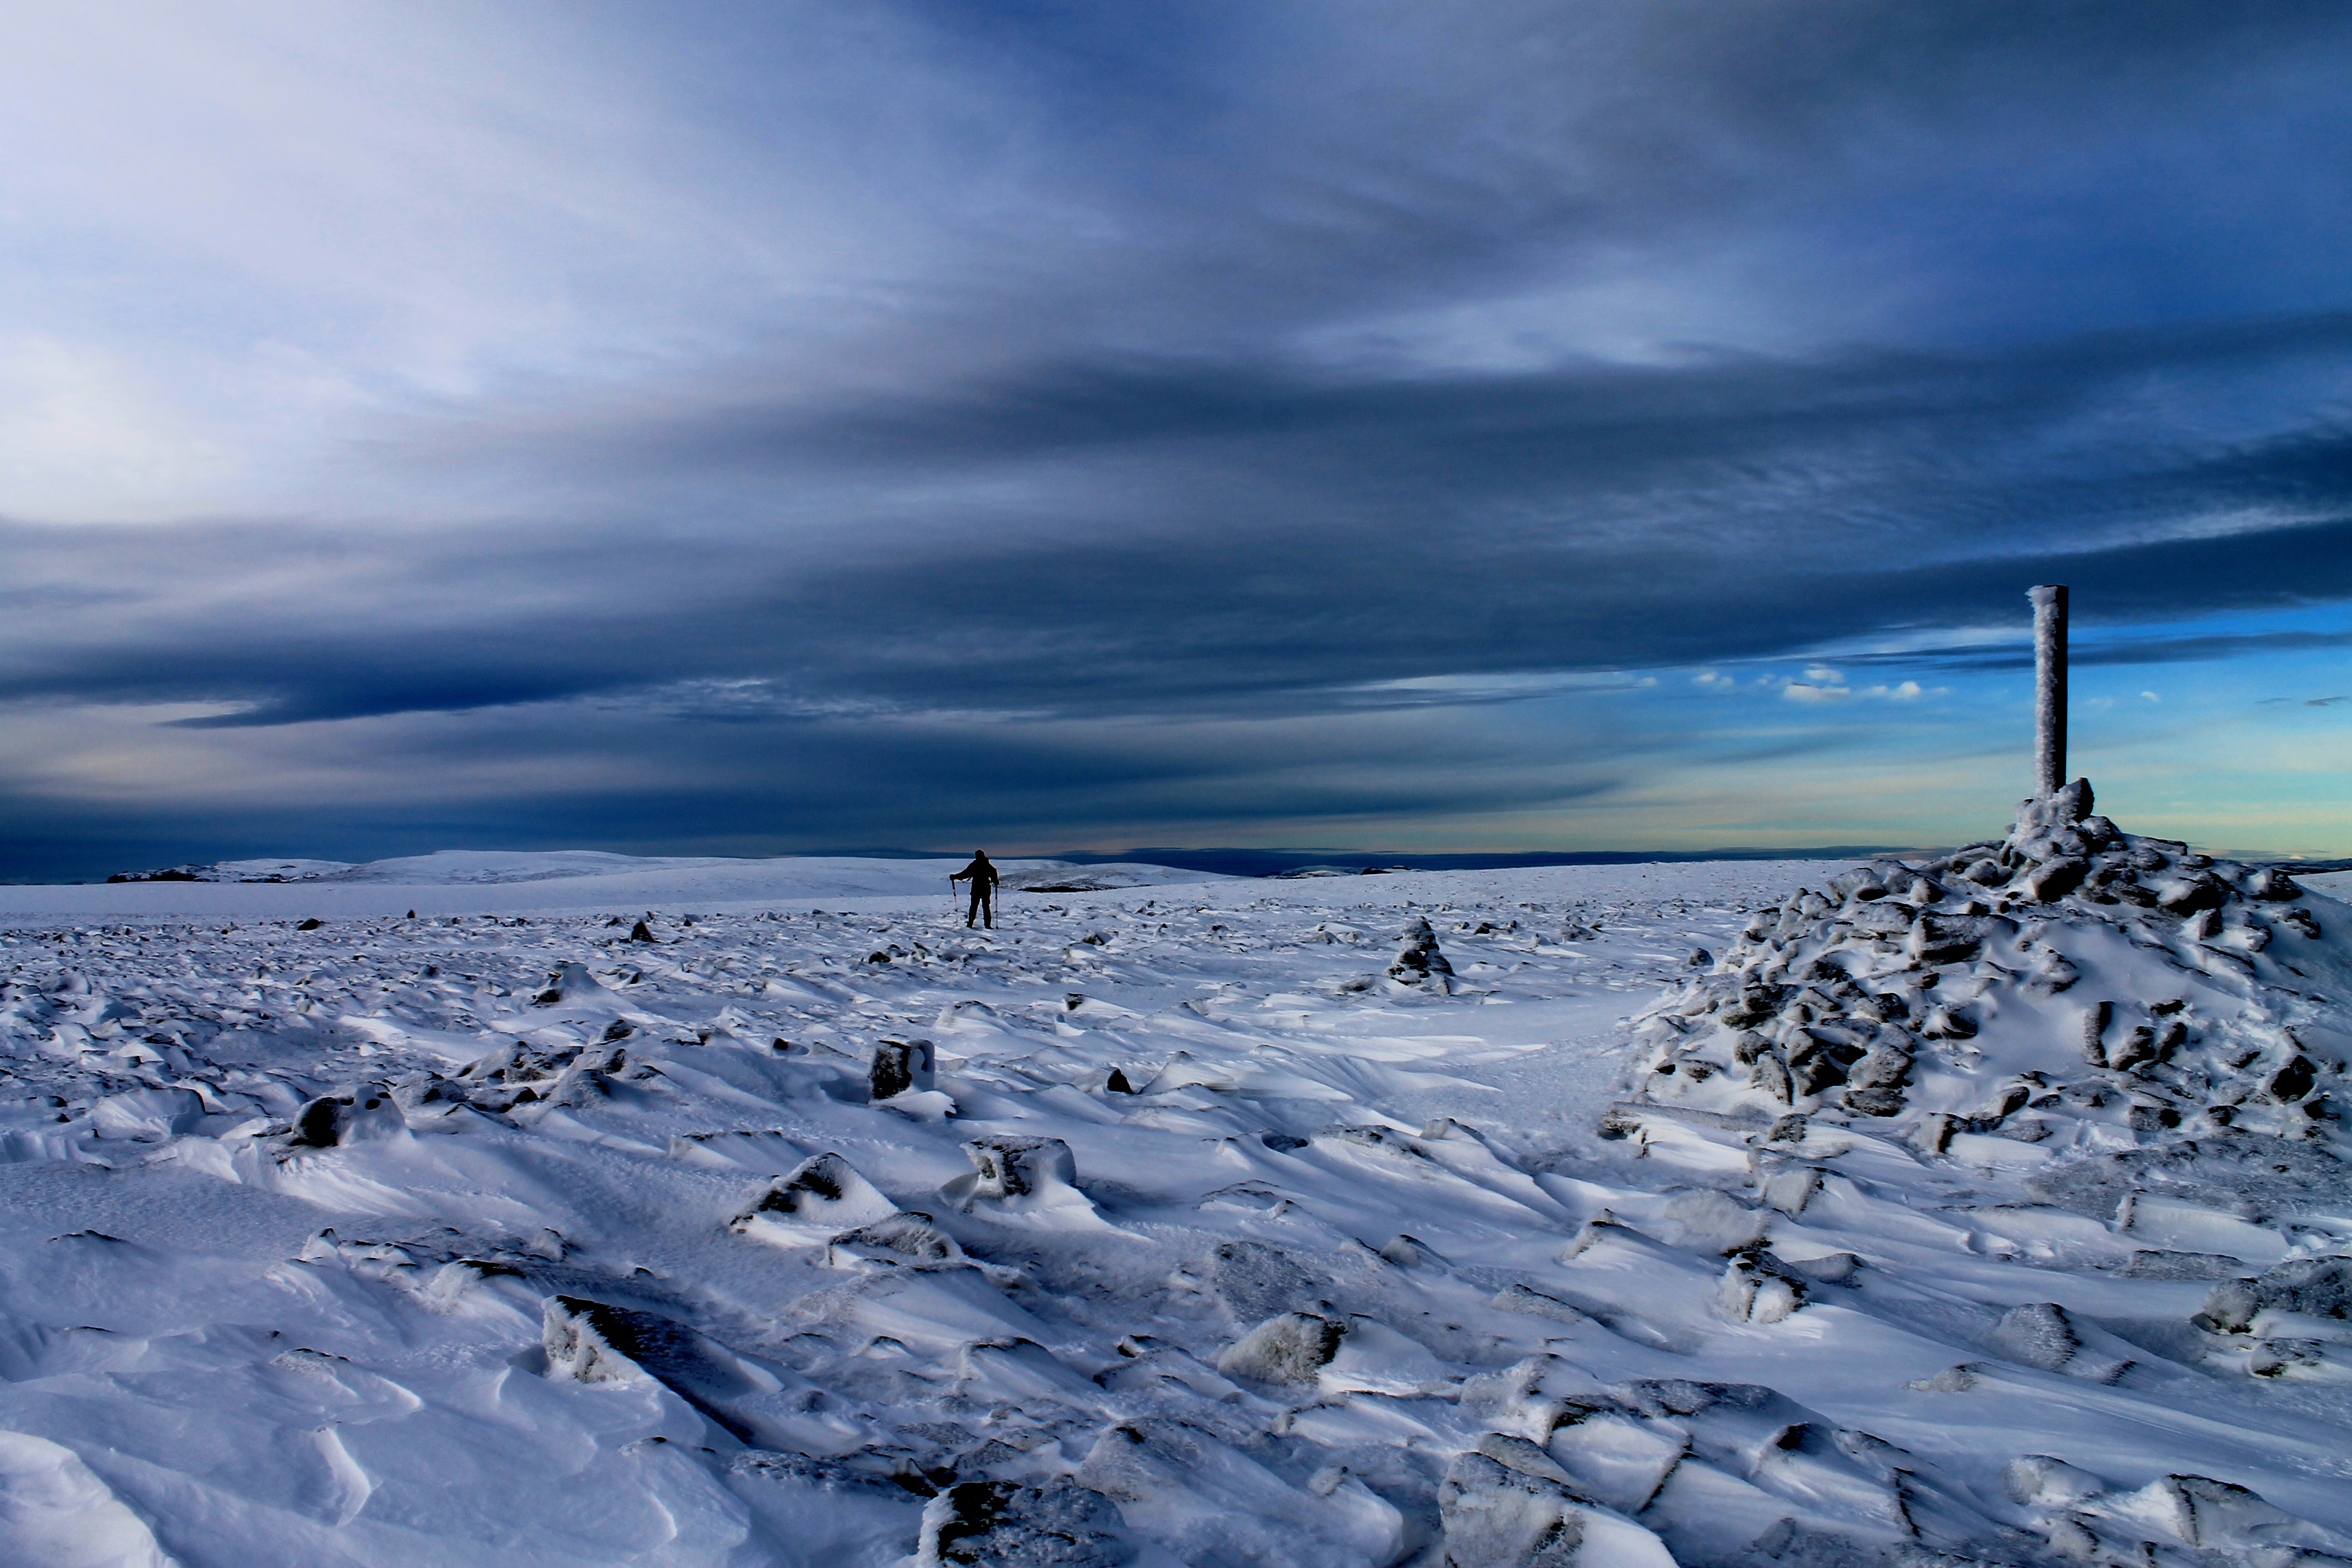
column 1799, row 691
column 2151, row 695
column 1822, row 675
column 85, row 437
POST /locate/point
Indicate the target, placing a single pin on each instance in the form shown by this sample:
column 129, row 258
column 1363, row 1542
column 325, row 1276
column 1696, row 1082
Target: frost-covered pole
column 2049, row 688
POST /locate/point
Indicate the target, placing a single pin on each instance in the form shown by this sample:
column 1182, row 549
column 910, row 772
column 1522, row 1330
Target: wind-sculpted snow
column 1341, row 1222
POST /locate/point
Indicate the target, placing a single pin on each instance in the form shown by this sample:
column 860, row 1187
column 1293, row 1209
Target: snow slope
column 470, row 881
column 1326, row 1222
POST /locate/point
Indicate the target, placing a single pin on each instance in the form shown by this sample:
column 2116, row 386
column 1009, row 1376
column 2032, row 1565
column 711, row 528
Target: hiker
column 983, row 878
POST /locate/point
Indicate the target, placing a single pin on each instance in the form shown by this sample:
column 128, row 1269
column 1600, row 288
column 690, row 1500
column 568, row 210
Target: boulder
column 899, row 1066
column 338, row 1121
column 1291, row 1347
column 1009, row 1524
column 822, row 1197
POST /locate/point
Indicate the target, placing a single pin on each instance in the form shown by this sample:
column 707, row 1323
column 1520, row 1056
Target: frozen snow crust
column 1331, row 1222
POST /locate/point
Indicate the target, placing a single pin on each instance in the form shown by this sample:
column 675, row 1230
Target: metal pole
column 2049, row 688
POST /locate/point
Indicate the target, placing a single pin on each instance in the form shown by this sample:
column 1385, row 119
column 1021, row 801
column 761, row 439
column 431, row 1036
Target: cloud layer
column 774, row 427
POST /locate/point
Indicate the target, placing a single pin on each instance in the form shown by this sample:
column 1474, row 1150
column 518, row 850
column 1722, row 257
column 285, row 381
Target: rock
column 2272, row 886
column 2052, row 975
column 1292, row 1347
column 1771, row 1075
column 1820, row 1061
column 1204, row 1499
column 1886, row 1065
column 821, row 1198
column 1949, row 939
column 2038, row 1334
column 2094, row 1030
column 1859, row 885
column 1709, row 1221
column 2044, row 1334
column 1947, row 1022
column 1791, row 1190
column 1007, row 1524
column 2192, row 895
column 1886, row 1102
column 1829, row 1268
column 2284, row 1358
column 580, row 1085
column 588, row 1342
column 1519, row 1298
column 899, row 1066
column 1009, row 1168
column 908, row 1240
column 2137, row 1047
column 2320, row 1286
column 1758, row 1288
column 1256, row 1280
column 2292, row 1081
column 1497, row 1517
column 310, row 925
column 2038, row 1480
column 2158, row 1263
column 2053, row 880
column 337, row 1120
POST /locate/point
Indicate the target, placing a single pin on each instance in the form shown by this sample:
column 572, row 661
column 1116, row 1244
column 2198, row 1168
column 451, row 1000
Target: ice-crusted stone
column 2219, row 1521
column 901, row 1065
column 336, row 1120
column 1950, row 939
column 1008, row 1524
column 908, row 1240
column 1521, row 1297
column 589, row 1341
column 1194, row 1493
column 822, row 1197
column 1710, row 1221
column 1256, row 1280
column 1758, row 1288
column 2044, row 1335
column 2039, row 1480
column 2038, row 1334
column 1291, row 1347
column 1505, row 1506
column 1497, row 1517
column 2053, row 880
column 1019, row 1174
column 1790, row 1190
column 2317, row 1287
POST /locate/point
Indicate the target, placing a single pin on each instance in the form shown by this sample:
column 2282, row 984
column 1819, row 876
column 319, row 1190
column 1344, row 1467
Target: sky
column 718, row 428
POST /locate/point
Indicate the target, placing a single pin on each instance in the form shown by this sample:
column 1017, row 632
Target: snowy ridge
column 1327, row 1222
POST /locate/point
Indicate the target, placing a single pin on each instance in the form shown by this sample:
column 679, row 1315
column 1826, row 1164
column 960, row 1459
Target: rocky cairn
column 2071, row 985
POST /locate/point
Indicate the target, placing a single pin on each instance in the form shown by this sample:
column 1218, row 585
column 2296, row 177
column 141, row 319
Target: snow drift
column 1986, row 1211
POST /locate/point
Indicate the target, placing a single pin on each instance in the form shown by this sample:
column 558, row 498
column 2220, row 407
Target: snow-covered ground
column 473, row 882
column 1210, row 1224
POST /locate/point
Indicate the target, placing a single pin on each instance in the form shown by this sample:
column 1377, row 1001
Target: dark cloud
column 1298, row 377
column 1244, row 541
